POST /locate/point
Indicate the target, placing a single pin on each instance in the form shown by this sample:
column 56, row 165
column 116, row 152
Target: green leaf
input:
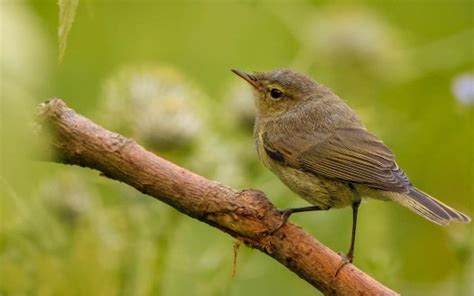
column 67, row 13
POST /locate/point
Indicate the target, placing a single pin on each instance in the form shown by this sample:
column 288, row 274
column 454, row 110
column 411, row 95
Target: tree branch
column 246, row 215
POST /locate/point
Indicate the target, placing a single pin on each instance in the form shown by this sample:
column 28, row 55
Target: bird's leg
column 286, row 213
column 355, row 210
column 350, row 255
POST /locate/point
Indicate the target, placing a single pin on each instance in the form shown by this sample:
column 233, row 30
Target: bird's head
column 280, row 90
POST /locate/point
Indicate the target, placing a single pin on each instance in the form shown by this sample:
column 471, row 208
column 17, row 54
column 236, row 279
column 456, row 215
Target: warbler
column 312, row 140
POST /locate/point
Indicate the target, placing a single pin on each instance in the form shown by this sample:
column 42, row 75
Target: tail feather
column 431, row 208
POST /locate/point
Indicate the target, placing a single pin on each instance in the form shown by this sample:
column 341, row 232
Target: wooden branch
column 246, row 215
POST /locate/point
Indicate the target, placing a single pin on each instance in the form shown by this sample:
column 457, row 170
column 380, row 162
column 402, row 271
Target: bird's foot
column 285, row 214
column 345, row 259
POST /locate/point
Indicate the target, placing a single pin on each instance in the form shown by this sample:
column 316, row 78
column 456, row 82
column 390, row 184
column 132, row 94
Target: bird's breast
column 264, row 157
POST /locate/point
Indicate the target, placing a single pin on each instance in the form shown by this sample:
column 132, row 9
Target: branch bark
column 246, row 215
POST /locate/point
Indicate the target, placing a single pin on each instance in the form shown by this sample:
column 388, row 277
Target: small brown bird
column 319, row 148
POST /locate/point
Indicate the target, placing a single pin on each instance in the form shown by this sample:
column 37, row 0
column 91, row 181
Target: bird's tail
column 431, row 208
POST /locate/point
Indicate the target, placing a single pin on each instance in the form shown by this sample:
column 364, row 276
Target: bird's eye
column 276, row 93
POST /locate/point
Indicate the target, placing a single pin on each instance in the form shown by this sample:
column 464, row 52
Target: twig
column 246, row 215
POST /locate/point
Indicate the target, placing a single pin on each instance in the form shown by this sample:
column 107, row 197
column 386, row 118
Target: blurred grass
column 67, row 231
column 67, row 12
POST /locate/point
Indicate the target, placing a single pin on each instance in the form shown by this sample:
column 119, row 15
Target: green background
column 67, row 231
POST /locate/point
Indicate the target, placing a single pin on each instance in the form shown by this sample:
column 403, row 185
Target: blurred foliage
column 159, row 72
column 155, row 105
column 67, row 13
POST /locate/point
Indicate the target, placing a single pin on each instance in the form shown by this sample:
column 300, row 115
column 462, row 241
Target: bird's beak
column 247, row 77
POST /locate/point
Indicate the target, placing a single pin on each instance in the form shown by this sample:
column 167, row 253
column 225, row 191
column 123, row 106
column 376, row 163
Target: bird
column 319, row 148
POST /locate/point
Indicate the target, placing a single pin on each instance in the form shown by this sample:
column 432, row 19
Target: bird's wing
column 349, row 154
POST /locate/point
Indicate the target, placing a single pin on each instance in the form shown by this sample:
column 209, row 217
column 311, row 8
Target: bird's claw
column 285, row 214
column 345, row 259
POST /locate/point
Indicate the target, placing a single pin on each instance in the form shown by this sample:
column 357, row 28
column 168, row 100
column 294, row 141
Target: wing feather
column 349, row 154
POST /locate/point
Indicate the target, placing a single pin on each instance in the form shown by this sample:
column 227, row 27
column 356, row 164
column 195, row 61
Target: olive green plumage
column 319, row 148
